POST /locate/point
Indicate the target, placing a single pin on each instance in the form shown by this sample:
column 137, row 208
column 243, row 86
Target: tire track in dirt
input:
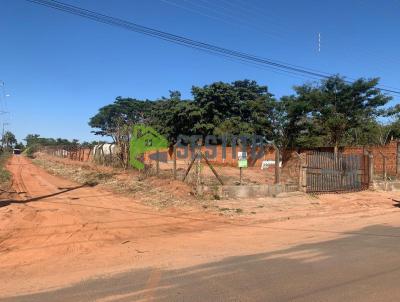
column 66, row 230
column 79, row 221
column 16, row 167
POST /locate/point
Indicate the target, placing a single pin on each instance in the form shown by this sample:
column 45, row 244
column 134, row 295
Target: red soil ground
column 54, row 232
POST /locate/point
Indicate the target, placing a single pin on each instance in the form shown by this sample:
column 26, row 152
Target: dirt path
column 53, row 223
column 55, row 232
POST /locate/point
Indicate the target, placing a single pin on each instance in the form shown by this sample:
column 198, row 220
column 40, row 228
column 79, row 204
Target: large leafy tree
column 332, row 112
column 124, row 111
column 8, row 139
column 241, row 107
column 338, row 106
column 32, row 139
column 116, row 121
column 290, row 120
column 173, row 116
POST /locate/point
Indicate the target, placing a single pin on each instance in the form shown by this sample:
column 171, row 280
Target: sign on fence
column 242, row 159
column 242, row 163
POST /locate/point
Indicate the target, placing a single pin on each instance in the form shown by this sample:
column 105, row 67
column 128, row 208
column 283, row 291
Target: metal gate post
column 174, row 157
column 303, row 177
column 371, row 168
column 302, row 173
column 398, row 159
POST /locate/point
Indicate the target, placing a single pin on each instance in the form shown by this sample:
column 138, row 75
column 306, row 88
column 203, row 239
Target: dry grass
column 147, row 190
column 5, row 176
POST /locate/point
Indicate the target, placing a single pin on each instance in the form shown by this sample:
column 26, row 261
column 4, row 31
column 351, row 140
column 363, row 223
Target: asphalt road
column 361, row 266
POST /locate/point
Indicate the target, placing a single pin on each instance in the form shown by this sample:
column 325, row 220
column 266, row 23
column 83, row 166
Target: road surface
column 344, row 258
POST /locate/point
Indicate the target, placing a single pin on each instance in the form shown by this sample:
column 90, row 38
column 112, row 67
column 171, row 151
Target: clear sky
column 59, row 69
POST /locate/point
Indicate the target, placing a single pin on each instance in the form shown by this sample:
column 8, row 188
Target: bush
column 30, row 151
column 4, row 174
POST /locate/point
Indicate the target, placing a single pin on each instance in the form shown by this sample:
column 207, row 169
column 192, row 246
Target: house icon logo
column 144, row 139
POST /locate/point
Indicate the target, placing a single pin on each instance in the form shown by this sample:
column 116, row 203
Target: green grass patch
column 5, row 176
column 30, row 151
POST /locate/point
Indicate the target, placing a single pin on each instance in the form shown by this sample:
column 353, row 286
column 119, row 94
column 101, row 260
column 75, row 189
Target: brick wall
column 389, row 151
column 290, row 160
column 229, row 158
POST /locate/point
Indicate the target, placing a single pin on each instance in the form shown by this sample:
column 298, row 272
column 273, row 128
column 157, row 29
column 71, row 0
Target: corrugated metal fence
column 329, row 172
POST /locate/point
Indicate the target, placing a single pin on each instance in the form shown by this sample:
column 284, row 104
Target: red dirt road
column 55, row 232
column 55, row 228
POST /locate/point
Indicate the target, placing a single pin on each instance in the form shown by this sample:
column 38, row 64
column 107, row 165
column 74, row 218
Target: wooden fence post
column 111, row 156
column 277, row 168
column 157, row 162
column 212, row 169
column 190, row 166
column 302, row 177
column 384, row 171
column 371, row 168
column 398, row 158
column 88, row 157
column 174, row 158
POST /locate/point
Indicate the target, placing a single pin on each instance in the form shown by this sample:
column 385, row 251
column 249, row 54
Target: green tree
column 20, row 146
column 173, row 116
column 124, row 111
column 8, row 140
column 116, row 121
column 338, row 106
column 240, row 107
column 31, row 139
column 35, row 140
column 290, row 120
column 371, row 132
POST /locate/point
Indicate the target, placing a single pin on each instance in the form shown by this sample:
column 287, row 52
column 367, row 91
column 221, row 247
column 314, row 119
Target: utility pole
column 2, row 136
column 3, row 108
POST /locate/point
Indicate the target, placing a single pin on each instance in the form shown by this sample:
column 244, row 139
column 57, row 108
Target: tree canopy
column 8, row 139
column 332, row 112
column 337, row 107
column 125, row 111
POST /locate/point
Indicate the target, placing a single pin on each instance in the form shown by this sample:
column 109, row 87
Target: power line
column 365, row 49
column 257, row 65
column 216, row 50
column 225, row 12
column 232, row 23
column 259, row 13
column 166, row 36
column 3, row 98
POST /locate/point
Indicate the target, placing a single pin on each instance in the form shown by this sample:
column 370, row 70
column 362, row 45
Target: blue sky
column 59, row 69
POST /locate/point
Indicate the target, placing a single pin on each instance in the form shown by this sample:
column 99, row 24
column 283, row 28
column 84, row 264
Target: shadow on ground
column 361, row 266
column 7, row 202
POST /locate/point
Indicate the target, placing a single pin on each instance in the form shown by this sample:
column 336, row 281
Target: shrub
column 30, row 151
column 4, row 174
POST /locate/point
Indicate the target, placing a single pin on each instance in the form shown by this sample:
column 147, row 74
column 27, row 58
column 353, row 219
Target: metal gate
column 329, row 172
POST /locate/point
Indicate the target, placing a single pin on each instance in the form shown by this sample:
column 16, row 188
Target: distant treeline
column 33, row 142
column 37, row 140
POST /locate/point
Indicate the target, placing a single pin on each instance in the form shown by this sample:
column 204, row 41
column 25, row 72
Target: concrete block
column 254, row 191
